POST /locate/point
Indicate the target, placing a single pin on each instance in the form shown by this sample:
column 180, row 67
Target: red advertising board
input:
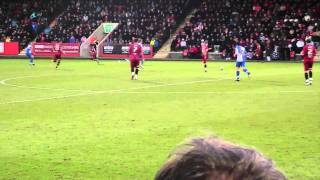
column 49, row 49
column 9, row 48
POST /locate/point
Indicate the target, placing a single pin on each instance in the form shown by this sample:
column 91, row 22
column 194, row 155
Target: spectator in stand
column 183, row 44
column 8, row 39
column 156, row 45
column 268, row 50
column 83, row 39
column 72, row 39
column 173, row 46
column 152, row 42
column 258, row 51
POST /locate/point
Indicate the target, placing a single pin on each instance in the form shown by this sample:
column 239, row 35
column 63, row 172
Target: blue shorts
column 241, row 64
column 29, row 56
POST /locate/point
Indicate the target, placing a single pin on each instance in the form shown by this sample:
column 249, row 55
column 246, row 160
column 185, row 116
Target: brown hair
column 214, row 159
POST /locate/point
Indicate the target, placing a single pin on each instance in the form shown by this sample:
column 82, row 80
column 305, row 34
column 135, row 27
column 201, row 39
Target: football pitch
column 89, row 121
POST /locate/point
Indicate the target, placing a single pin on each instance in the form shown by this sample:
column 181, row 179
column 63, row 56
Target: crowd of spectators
column 153, row 23
column 147, row 19
column 272, row 28
column 276, row 29
column 21, row 21
column 80, row 18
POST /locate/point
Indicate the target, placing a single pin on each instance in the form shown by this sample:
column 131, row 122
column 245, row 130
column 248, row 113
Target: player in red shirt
column 205, row 53
column 57, row 55
column 135, row 51
column 308, row 53
column 93, row 53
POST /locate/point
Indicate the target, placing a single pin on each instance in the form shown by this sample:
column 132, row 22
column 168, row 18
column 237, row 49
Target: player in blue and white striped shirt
column 241, row 53
column 29, row 55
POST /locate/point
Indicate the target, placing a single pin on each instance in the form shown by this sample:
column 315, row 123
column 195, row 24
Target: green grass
column 89, row 121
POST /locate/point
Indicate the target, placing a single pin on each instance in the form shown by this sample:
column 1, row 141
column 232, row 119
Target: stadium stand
column 80, row 18
column 268, row 27
column 276, row 27
column 21, row 21
column 144, row 19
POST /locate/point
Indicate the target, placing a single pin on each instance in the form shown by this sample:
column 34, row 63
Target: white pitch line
column 109, row 91
column 4, row 82
column 165, row 85
column 48, row 98
column 154, row 92
column 160, row 84
column 119, row 91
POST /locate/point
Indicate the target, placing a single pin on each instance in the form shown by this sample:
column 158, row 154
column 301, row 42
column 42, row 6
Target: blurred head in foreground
column 211, row 158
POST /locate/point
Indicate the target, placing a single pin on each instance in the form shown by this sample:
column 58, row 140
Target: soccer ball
column 221, row 68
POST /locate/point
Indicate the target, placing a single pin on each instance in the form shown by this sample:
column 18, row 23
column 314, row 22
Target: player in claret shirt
column 93, row 54
column 205, row 53
column 308, row 53
column 57, row 56
column 135, row 51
